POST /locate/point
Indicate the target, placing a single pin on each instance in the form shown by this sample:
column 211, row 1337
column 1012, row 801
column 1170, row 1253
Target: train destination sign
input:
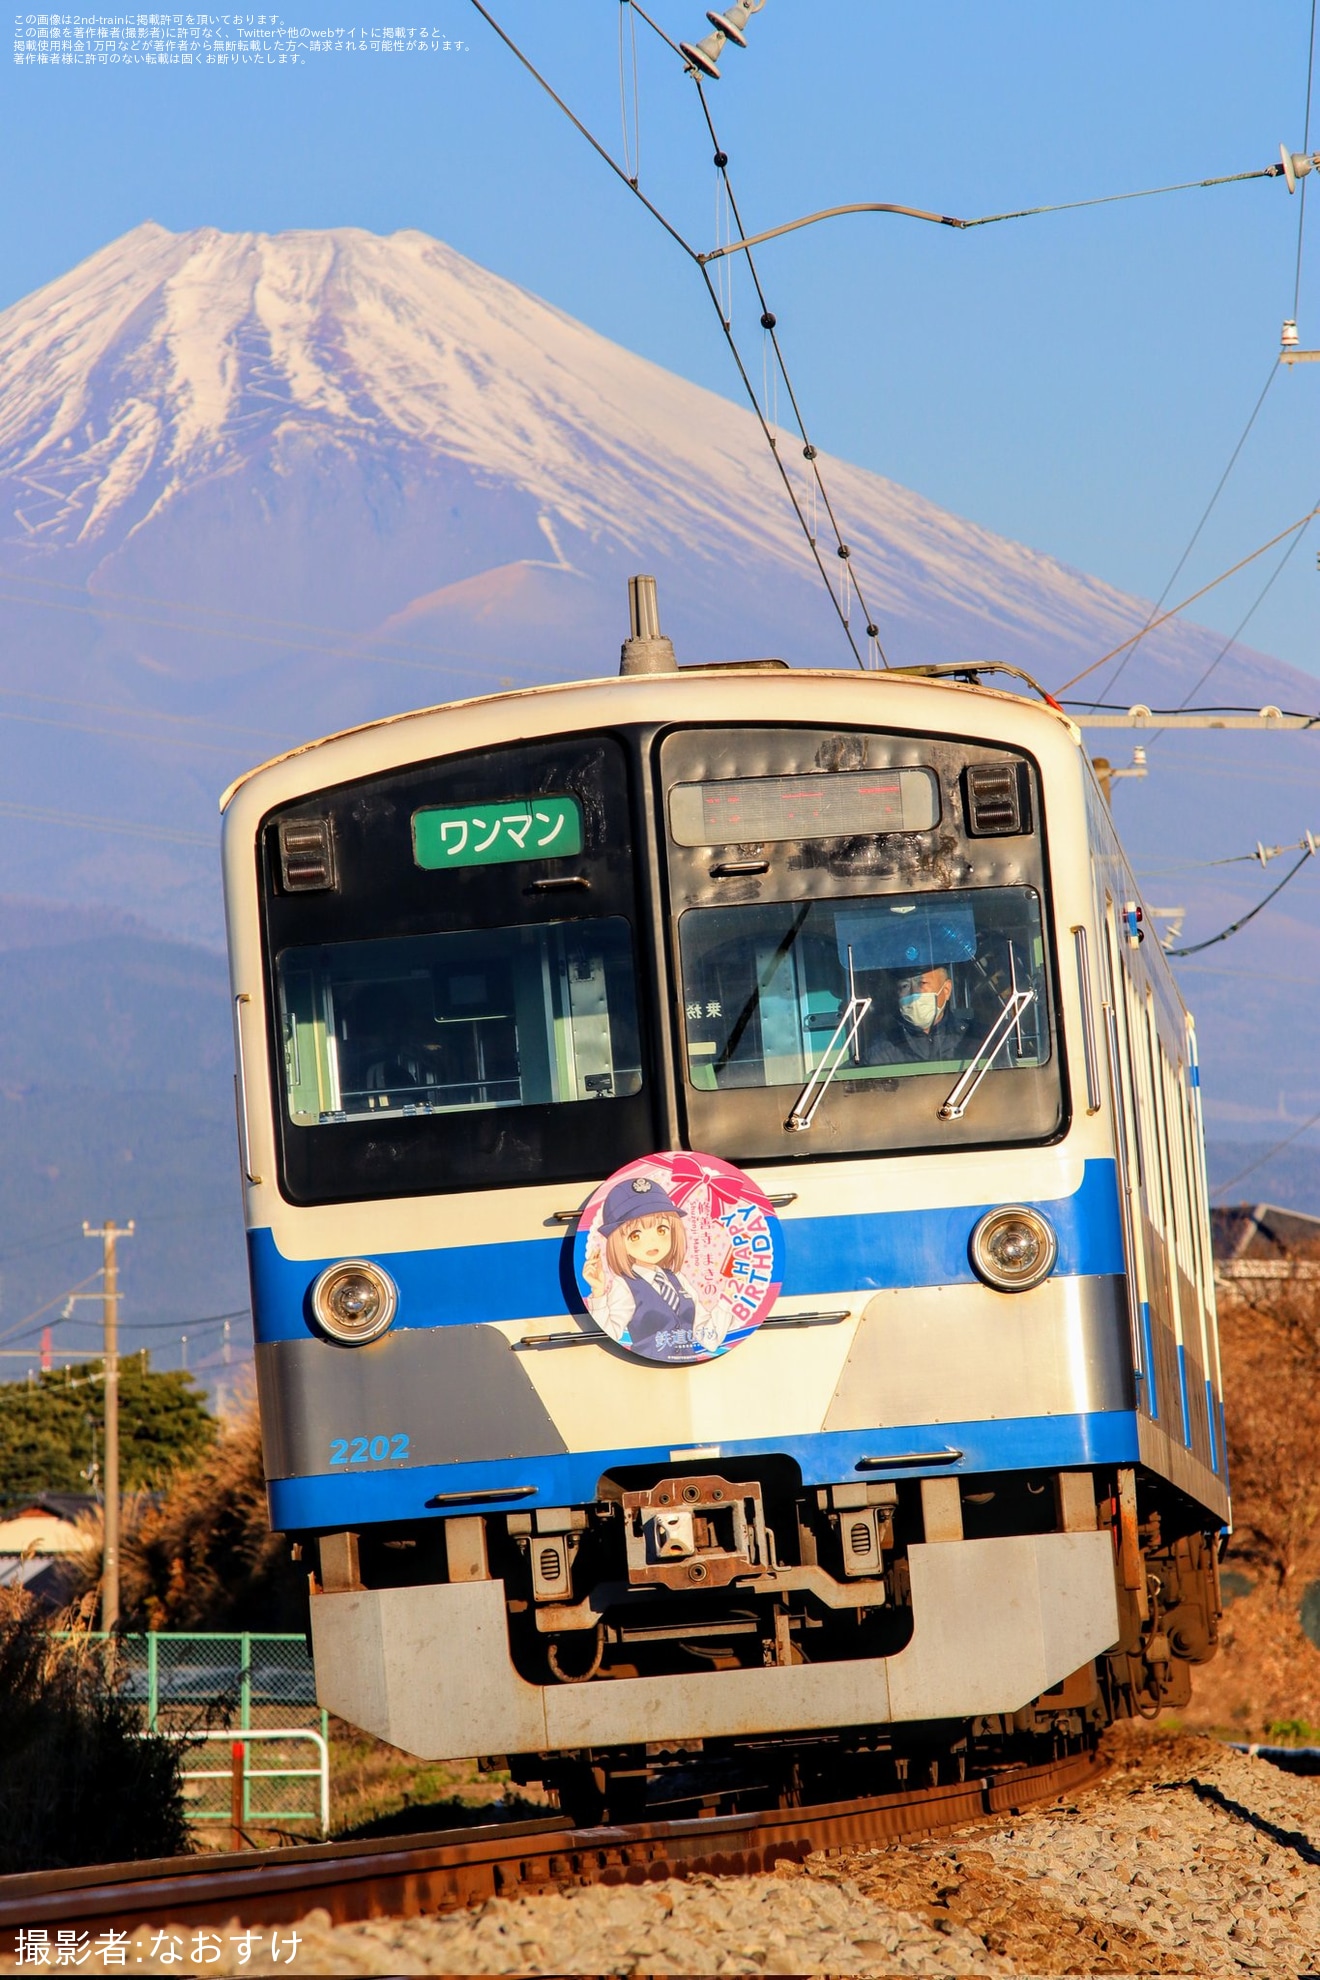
column 497, row 834
column 828, row 805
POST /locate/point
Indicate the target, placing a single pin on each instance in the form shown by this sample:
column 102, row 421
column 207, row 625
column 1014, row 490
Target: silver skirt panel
column 963, row 1354
column 996, row 1622
column 480, row 1402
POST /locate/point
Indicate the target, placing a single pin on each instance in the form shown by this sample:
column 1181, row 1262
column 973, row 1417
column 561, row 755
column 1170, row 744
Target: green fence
column 226, row 1689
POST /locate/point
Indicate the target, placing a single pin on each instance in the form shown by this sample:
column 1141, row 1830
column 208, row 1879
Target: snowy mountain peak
column 167, row 358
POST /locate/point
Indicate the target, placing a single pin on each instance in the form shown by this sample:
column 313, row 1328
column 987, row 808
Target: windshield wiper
column 801, row 1114
column 995, row 1039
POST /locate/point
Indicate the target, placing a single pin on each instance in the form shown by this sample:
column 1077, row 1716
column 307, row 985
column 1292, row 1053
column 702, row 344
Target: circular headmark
column 678, row 1257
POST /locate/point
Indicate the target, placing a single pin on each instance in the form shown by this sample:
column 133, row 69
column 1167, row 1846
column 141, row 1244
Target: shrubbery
column 79, row 1783
column 201, row 1555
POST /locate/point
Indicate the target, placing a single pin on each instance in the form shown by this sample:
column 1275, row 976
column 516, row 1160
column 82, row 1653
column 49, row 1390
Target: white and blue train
column 871, row 940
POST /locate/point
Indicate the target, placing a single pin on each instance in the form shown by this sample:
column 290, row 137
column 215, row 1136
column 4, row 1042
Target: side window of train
column 455, row 991
column 868, row 902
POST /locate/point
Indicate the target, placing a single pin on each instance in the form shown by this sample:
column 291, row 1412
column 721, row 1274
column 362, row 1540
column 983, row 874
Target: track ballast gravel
column 1188, row 1858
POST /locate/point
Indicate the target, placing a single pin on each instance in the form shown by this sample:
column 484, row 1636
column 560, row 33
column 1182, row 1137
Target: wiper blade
column 995, row 1039
column 804, row 1107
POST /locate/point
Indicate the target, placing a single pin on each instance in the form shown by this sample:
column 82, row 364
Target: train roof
column 769, row 675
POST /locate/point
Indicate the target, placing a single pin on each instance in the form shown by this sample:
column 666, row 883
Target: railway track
column 407, row 1876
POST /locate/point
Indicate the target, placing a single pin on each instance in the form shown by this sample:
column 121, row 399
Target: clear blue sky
column 1075, row 381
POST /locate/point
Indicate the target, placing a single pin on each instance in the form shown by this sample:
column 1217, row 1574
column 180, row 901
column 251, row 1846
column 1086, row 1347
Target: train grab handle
column 240, row 1087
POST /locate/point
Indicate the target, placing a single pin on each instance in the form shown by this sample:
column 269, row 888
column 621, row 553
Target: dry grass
column 203, row 1557
column 377, row 1790
column 78, row 1784
column 1265, row 1682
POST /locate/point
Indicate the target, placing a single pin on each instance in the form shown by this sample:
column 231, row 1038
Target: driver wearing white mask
column 925, row 1025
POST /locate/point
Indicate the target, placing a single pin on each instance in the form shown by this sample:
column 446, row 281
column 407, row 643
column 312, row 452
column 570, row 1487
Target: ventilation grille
column 997, row 804
column 861, row 1540
column 551, row 1564
column 307, row 855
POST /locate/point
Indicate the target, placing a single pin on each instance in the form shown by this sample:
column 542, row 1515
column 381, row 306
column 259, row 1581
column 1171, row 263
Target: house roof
column 1261, row 1232
column 32, row 1532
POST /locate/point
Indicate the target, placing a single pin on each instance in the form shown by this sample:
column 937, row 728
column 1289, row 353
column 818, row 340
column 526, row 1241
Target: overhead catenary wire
column 1251, row 421
column 169, row 1326
column 763, row 408
column 224, row 615
column 1305, row 715
column 632, row 153
column 345, row 650
column 125, row 827
column 145, row 714
column 678, row 238
column 1195, row 536
column 1191, row 599
column 37, row 1311
column 1260, row 855
column 1195, row 948
column 1241, row 625
column 1306, row 146
column 1269, row 1154
column 769, row 324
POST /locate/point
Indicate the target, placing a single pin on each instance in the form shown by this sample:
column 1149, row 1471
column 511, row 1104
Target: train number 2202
column 369, row 1450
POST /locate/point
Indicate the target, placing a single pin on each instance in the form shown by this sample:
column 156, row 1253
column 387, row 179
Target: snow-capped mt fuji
column 371, row 422
column 254, row 488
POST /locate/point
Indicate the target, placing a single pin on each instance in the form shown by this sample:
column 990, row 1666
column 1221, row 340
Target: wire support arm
column 1195, row 948
column 983, row 220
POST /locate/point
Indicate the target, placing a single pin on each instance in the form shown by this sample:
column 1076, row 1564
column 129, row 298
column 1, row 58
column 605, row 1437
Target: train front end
column 692, row 1237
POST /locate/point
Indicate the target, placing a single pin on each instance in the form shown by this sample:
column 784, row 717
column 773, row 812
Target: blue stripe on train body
column 463, row 1285
column 1031, row 1443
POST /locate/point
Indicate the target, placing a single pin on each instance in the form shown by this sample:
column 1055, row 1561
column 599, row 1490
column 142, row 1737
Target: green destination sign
column 497, row 834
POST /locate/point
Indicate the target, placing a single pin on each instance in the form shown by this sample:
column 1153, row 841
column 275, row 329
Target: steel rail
column 404, row 1877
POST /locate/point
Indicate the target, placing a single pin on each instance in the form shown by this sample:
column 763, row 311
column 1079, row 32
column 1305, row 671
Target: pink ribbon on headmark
column 726, row 1191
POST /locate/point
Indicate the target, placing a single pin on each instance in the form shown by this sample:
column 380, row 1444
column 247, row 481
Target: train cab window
column 770, row 992
column 765, row 987
column 459, row 1002
column 855, row 945
column 426, row 1024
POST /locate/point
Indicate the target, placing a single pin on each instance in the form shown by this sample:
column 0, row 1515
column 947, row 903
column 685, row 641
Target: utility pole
column 109, row 1235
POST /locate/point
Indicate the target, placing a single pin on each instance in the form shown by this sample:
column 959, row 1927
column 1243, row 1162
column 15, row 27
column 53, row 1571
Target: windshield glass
column 765, row 987
column 442, row 1024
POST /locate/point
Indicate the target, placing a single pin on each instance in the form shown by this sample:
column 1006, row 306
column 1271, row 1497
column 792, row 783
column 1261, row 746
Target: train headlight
column 354, row 1302
column 1013, row 1249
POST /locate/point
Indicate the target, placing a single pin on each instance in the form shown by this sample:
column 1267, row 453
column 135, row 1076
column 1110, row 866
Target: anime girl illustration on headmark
column 678, row 1257
column 644, row 1295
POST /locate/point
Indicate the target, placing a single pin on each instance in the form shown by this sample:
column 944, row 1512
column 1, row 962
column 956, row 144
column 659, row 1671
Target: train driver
column 924, row 1023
